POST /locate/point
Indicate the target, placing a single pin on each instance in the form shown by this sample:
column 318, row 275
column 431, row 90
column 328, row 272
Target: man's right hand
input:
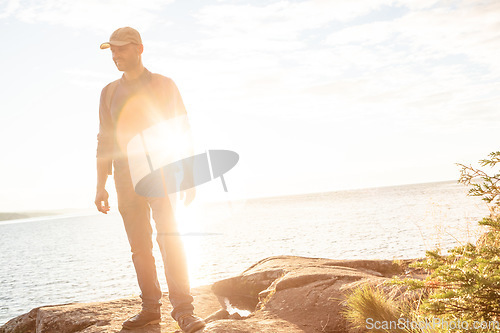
column 101, row 201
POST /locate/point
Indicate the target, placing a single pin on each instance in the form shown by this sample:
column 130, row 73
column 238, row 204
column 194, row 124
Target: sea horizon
column 40, row 214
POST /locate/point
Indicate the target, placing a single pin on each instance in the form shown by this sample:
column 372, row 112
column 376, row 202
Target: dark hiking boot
column 142, row 319
column 190, row 323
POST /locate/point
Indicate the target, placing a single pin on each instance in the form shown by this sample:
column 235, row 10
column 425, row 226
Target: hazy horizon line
column 37, row 214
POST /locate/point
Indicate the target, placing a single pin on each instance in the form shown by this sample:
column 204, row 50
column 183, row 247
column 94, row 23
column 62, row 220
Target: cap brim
column 107, row 45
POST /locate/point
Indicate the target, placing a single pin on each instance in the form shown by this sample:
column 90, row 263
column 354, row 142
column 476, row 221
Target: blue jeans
column 135, row 211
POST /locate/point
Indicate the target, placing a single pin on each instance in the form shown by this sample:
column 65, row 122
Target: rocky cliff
column 276, row 294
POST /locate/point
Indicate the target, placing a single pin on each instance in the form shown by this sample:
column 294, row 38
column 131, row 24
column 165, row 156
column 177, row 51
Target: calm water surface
column 87, row 258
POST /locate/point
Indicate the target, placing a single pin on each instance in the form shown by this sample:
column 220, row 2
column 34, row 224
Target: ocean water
column 46, row 261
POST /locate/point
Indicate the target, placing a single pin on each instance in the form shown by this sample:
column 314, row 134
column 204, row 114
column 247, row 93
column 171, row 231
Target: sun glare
column 190, row 226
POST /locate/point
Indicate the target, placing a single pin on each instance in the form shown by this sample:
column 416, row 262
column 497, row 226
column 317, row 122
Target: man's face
column 126, row 57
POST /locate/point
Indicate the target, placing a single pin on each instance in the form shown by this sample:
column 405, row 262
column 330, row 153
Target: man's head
column 126, row 48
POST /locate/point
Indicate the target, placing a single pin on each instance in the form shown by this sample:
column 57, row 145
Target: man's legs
column 135, row 212
column 173, row 255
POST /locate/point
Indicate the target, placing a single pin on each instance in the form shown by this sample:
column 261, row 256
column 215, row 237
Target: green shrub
column 370, row 303
column 374, row 309
column 463, row 285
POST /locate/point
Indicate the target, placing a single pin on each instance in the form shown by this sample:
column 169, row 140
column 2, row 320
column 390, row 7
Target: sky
column 313, row 95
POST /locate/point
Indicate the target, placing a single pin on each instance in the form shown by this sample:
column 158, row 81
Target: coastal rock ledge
column 276, row 294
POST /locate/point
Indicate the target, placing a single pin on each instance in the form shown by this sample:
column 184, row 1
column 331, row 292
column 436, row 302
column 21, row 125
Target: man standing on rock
column 128, row 106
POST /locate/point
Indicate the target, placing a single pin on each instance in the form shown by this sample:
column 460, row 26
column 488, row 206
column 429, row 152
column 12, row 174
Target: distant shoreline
column 7, row 216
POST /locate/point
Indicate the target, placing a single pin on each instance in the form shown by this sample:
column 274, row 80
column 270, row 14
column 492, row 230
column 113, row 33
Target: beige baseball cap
column 123, row 36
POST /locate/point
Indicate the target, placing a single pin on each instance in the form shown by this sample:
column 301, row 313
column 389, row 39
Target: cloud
column 279, row 21
column 272, row 48
column 436, row 60
column 10, row 7
column 90, row 14
column 470, row 29
column 431, row 60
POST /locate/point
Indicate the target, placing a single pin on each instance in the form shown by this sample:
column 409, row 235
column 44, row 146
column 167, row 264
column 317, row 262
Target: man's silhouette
column 137, row 101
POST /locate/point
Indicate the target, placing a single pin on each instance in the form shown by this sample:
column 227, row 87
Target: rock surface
column 277, row 294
